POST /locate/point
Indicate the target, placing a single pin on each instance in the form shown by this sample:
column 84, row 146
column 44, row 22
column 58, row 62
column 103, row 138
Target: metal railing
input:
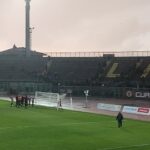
column 99, row 54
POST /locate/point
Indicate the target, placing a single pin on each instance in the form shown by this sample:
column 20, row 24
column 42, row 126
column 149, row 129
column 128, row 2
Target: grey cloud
column 78, row 24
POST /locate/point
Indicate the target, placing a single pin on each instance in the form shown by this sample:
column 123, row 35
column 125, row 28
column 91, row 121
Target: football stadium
column 73, row 100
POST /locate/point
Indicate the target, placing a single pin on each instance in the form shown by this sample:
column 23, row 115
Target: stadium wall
column 107, row 92
column 13, row 88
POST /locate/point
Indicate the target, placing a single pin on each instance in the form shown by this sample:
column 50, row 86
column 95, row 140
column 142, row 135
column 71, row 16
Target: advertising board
column 110, row 107
column 136, row 110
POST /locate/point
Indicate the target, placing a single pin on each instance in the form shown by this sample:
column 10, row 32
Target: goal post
column 48, row 98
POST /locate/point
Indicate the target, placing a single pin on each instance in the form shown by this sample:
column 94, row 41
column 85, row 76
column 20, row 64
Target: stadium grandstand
column 19, row 73
column 103, row 74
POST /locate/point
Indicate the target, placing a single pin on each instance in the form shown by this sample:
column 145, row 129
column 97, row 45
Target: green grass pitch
column 42, row 128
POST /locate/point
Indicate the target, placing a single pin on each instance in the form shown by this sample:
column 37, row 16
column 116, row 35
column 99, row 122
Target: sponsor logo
column 142, row 94
column 138, row 94
column 143, row 110
column 129, row 93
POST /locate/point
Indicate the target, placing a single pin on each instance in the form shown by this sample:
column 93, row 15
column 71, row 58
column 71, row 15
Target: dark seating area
column 118, row 71
column 76, row 71
column 18, row 67
column 15, row 66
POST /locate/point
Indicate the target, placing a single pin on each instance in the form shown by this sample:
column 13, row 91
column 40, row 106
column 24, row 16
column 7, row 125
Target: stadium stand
column 19, row 72
column 107, row 76
column 73, row 71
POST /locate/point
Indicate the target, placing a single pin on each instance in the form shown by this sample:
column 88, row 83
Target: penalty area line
column 124, row 147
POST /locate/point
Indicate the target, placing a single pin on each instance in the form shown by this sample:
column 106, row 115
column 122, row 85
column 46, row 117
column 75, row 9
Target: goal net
column 48, row 99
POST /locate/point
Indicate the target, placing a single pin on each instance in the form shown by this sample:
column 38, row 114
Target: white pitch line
column 124, row 147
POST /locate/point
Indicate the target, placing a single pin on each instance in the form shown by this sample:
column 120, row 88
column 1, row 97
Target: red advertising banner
column 143, row 110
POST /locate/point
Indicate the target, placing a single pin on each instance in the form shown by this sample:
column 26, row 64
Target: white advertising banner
column 110, row 107
column 136, row 110
column 129, row 109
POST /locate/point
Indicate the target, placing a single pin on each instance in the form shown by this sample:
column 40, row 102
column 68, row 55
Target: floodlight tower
column 28, row 29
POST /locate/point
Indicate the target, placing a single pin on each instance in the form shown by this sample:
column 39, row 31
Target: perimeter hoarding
column 136, row 110
column 110, row 107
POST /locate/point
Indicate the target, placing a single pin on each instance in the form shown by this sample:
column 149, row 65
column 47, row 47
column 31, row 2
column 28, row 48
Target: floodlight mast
column 28, row 29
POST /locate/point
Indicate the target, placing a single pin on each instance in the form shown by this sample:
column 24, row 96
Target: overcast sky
column 77, row 25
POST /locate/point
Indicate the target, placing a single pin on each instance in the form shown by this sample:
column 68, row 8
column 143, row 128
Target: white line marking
column 124, row 147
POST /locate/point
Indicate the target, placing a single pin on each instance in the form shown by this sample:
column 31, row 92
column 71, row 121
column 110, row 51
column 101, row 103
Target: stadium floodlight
column 86, row 92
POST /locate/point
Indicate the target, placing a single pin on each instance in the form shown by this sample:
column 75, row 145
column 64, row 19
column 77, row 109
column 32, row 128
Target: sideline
column 124, row 147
